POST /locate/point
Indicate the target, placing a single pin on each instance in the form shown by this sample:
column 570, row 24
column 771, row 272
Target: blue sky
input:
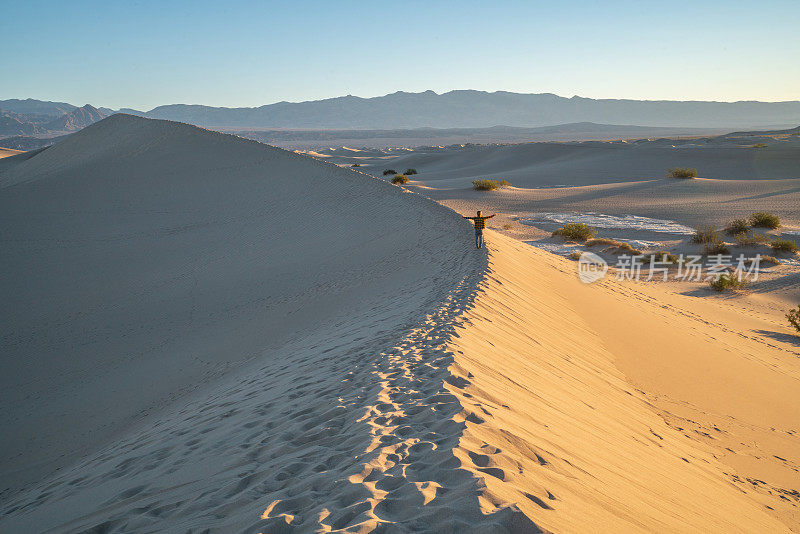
column 143, row 54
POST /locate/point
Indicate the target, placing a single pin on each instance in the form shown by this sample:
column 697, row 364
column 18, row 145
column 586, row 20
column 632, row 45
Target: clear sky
column 142, row 54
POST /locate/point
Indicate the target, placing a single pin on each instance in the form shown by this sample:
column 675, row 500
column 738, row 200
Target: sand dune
column 6, row 152
column 594, row 162
column 206, row 334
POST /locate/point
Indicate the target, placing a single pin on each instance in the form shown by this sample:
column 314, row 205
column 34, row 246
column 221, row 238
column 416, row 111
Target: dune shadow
column 780, row 336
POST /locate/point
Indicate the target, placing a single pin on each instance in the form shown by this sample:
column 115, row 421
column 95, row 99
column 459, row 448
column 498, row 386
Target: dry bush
column 576, row 231
column 764, row 219
column 682, row 172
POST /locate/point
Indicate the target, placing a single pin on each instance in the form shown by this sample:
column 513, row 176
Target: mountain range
column 402, row 110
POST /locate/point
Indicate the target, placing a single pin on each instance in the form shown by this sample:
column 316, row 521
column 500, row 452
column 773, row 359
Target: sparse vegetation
column 736, row 226
column 682, row 172
column 576, row 232
column 387, row 172
column 717, row 247
column 760, row 145
column 783, row 245
column 575, row 255
column 489, row 185
column 764, row 219
column 728, row 281
column 356, row 165
column 409, row 172
column 794, row 318
column 705, row 234
column 660, row 256
column 484, row 185
column 508, row 226
column 772, row 260
column 750, row 239
column 620, row 247
column 400, row 179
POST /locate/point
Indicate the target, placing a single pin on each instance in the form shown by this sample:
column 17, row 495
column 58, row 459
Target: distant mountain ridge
column 76, row 119
column 475, row 109
column 402, row 110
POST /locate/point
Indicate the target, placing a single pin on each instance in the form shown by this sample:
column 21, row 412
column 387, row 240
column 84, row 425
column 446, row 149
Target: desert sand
column 6, row 152
column 207, row 334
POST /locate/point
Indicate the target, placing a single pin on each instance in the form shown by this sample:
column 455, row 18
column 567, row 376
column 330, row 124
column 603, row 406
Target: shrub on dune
column 736, row 226
column 717, row 247
column 659, row 257
column 764, row 219
column 750, row 239
column 760, row 145
column 409, row 172
column 484, row 185
column 770, row 260
column 489, row 185
column 682, row 172
column 400, row 179
column 356, row 165
column 576, row 232
column 783, row 245
column 387, row 172
column 575, row 255
column 794, row 318
column 727, row 281
column 620, row 247
column 705, row 234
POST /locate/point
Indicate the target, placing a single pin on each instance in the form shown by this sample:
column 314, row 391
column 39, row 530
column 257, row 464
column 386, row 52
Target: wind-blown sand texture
column 206, row 334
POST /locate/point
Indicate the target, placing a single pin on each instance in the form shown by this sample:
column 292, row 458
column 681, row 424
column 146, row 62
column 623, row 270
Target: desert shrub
column 763, row 219
column 750, row 239
column 682, row 172
column 772, row 260
column 575, row 255
column 576, row 231
column 717, row 247
column 489, row 185
column 705, row 234
column 356, row 165
column 736, row 226
column 387, row 172
column 783, row 245
column 794, row 318
column 660, row 256
column 484, row 185
column 508, row 226
column 400, row 179
column 727, row 281
column 409, row 172
column 760, row 145
column 620, row 247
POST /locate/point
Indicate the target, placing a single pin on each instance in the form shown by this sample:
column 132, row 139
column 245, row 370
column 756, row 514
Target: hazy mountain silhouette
column 474, row 109
column 76, row 119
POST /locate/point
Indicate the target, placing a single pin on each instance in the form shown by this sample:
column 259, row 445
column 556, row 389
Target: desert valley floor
column 203, row 333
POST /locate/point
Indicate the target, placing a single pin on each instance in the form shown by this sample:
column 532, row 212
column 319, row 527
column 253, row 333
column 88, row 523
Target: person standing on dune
column 480, row 224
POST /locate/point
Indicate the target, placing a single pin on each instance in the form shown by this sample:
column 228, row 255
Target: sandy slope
column 588, row 163
column 565, row 435
column 143, row 260
column 6, row 152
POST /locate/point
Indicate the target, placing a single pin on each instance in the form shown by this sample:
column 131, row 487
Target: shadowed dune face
column 144, row 258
